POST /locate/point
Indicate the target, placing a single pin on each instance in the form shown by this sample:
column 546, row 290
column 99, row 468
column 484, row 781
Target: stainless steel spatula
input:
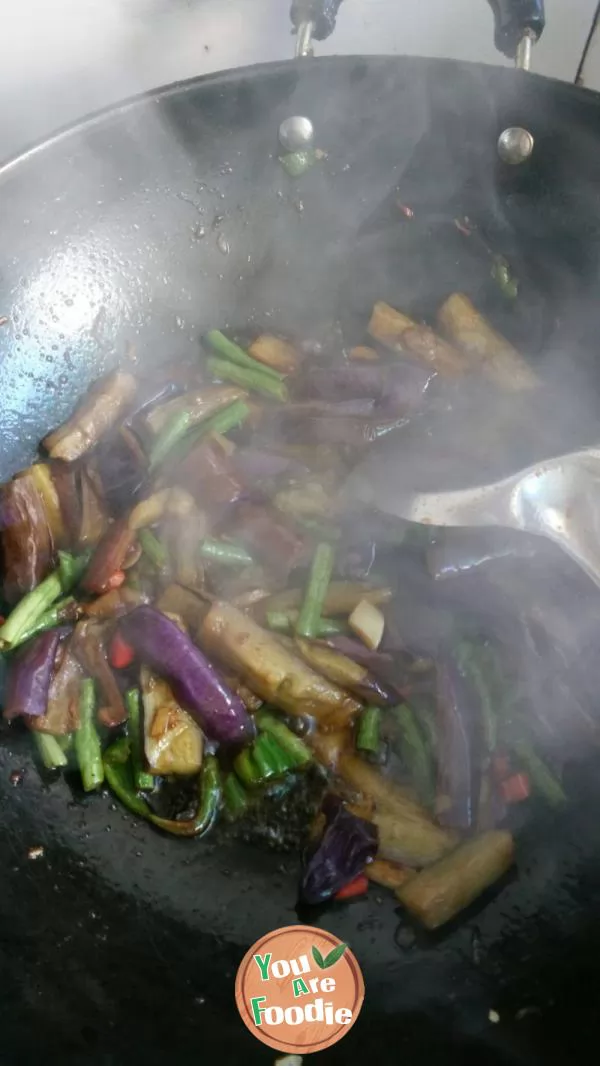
column 557, row 498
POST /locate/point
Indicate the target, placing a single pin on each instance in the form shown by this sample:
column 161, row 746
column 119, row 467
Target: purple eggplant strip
column 254, row 464
column 30, row 675
column 359, row 653
column 161, row 644
column 459, row 747
column 150, row 394
column 347, row 845
column 398, row 388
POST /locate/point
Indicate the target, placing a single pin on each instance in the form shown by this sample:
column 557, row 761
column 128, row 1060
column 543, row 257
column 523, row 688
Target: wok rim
column 231, row 75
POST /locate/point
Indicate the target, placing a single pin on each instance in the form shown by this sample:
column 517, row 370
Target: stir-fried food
column 192, row 619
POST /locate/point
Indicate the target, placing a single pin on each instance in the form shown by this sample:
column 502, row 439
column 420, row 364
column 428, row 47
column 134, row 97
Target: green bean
column 369, row 726
column 316, row 590
column 247, row 378
column 225, row 553
column 174, row 431
column 229, row 418
column 222, row 422
column 284, row 621
column 142, row 779
column 87, row 742
column 235, row 797
column 424, row 709
column 184, row 429
column 542, row 778
column 228, row 350
column 72, row 567
column 317, row 527
column 35, row 604
column 467, row 656
column 293, row 746
column 65, row 610
column 415, row 754
column 49, row 750
column 153, row 548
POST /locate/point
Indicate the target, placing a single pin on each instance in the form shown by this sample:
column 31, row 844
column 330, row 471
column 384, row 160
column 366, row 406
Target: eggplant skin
column 27, row 543
column 31, row 674
column 348, row 844
column 460, row 747
column 160, row 644
column 101, row 408
column 62, row 707
column 269, row 669
column 407, row 833
column 397, row 331
column 438, row 894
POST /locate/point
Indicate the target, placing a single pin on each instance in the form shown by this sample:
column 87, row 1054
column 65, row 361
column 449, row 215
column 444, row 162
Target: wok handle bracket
column 519, row 23
column 313, row 19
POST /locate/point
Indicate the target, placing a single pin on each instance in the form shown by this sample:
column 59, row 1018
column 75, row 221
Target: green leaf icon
column 316, row 954
column 332, row 958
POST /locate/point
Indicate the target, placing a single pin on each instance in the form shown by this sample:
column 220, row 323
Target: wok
column 119, row 945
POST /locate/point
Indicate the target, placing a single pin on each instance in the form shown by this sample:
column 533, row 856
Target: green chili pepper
column 282, row 761
column 316, row 590
column 415, row 754
column 225, row 553
column 264, row 759
column 247, row 378
column 87, row 742
column 293, row 746
column 235, row 797
column 246, row 768
column 208, row 804
column 153, row 548
column 228, row 350
column 49, row 750
column 119, row 774
column 35, row 604
column 369, row 727
column 142, row 778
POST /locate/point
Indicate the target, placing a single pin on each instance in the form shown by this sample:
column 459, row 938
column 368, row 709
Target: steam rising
column 556, row 609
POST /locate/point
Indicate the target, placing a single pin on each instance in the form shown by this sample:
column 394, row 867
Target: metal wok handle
column 313, row 19
column 519, row 24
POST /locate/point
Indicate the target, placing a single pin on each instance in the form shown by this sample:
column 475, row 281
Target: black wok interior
column 120, row 946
